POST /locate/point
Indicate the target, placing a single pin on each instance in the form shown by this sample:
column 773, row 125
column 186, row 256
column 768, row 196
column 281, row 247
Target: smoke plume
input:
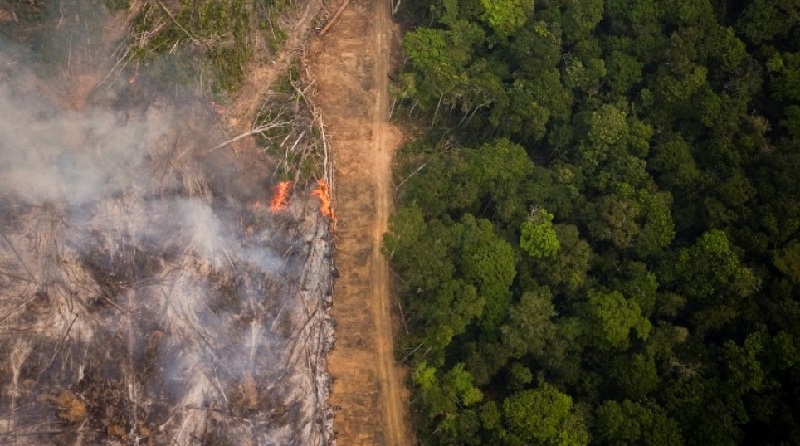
column 143, row 300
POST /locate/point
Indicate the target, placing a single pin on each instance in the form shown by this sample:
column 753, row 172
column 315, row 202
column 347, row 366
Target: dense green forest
column 596, row 238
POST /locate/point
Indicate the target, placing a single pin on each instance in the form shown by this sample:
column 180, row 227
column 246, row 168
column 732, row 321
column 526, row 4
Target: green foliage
column 440, row 58
column 444, row 397
column 744, row 371
column 791, row 122
column 674, row 161
column 536, row 50
column 611, row 317
column 784, row 352
column 711, row 268
column 614, row 218
column 661, row 308
column 489, row 263
column 624, row 72
column 458, row 181
column 632, row 423
column 534, row 104
column 763, row 20
column 464, row 271
column 506, row 16
column 428, row 49
column 569, row 269
column 580, row 18
column 787, row 260
column 634, row 376
column 519, row 376
column 537, row 236
column 543, row 416
column 419, row 252
column 530, row 327
column 658, row 230
column 786, row 76
column 638, row 283
column 585, row 69
column 499, row 163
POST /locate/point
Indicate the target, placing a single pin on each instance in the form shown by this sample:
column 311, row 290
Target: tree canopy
column 597, row 237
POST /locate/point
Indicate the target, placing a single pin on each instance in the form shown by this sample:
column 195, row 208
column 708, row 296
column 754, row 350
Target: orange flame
column 280, row 197
column 323, row 192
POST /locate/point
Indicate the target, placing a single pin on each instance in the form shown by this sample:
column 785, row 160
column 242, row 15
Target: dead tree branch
column 334, row 18
column 411, row 175
column 255, row 131
column 169, row 13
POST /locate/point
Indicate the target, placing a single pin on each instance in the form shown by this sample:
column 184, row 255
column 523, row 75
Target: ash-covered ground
column 143, row 298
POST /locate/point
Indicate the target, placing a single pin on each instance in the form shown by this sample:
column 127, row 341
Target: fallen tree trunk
column 334, row 18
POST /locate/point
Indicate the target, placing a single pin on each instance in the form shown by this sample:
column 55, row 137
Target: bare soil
column 351, row 64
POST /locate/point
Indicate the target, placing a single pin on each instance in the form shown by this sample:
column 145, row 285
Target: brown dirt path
column 350, row 65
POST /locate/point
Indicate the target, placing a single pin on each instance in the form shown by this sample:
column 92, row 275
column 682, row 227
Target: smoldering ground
column 143, row 300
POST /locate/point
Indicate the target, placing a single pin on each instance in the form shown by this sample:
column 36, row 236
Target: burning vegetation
column 282, row 193
column 324, row 194
column 144, row 298
column 280, row 196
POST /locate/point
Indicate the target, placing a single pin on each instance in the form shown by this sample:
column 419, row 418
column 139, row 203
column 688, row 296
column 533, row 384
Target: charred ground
column 145, row 298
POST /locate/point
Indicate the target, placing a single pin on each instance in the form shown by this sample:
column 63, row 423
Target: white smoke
column 138, row 275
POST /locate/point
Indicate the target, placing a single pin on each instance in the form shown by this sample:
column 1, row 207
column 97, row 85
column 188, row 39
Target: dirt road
column 350, row 65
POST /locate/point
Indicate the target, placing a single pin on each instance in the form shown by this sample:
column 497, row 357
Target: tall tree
column 543, row 416
column 611, row 317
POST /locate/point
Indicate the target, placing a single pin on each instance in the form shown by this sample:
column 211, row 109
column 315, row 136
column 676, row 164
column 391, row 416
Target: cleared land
column 147, row 297
column 350, row 64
